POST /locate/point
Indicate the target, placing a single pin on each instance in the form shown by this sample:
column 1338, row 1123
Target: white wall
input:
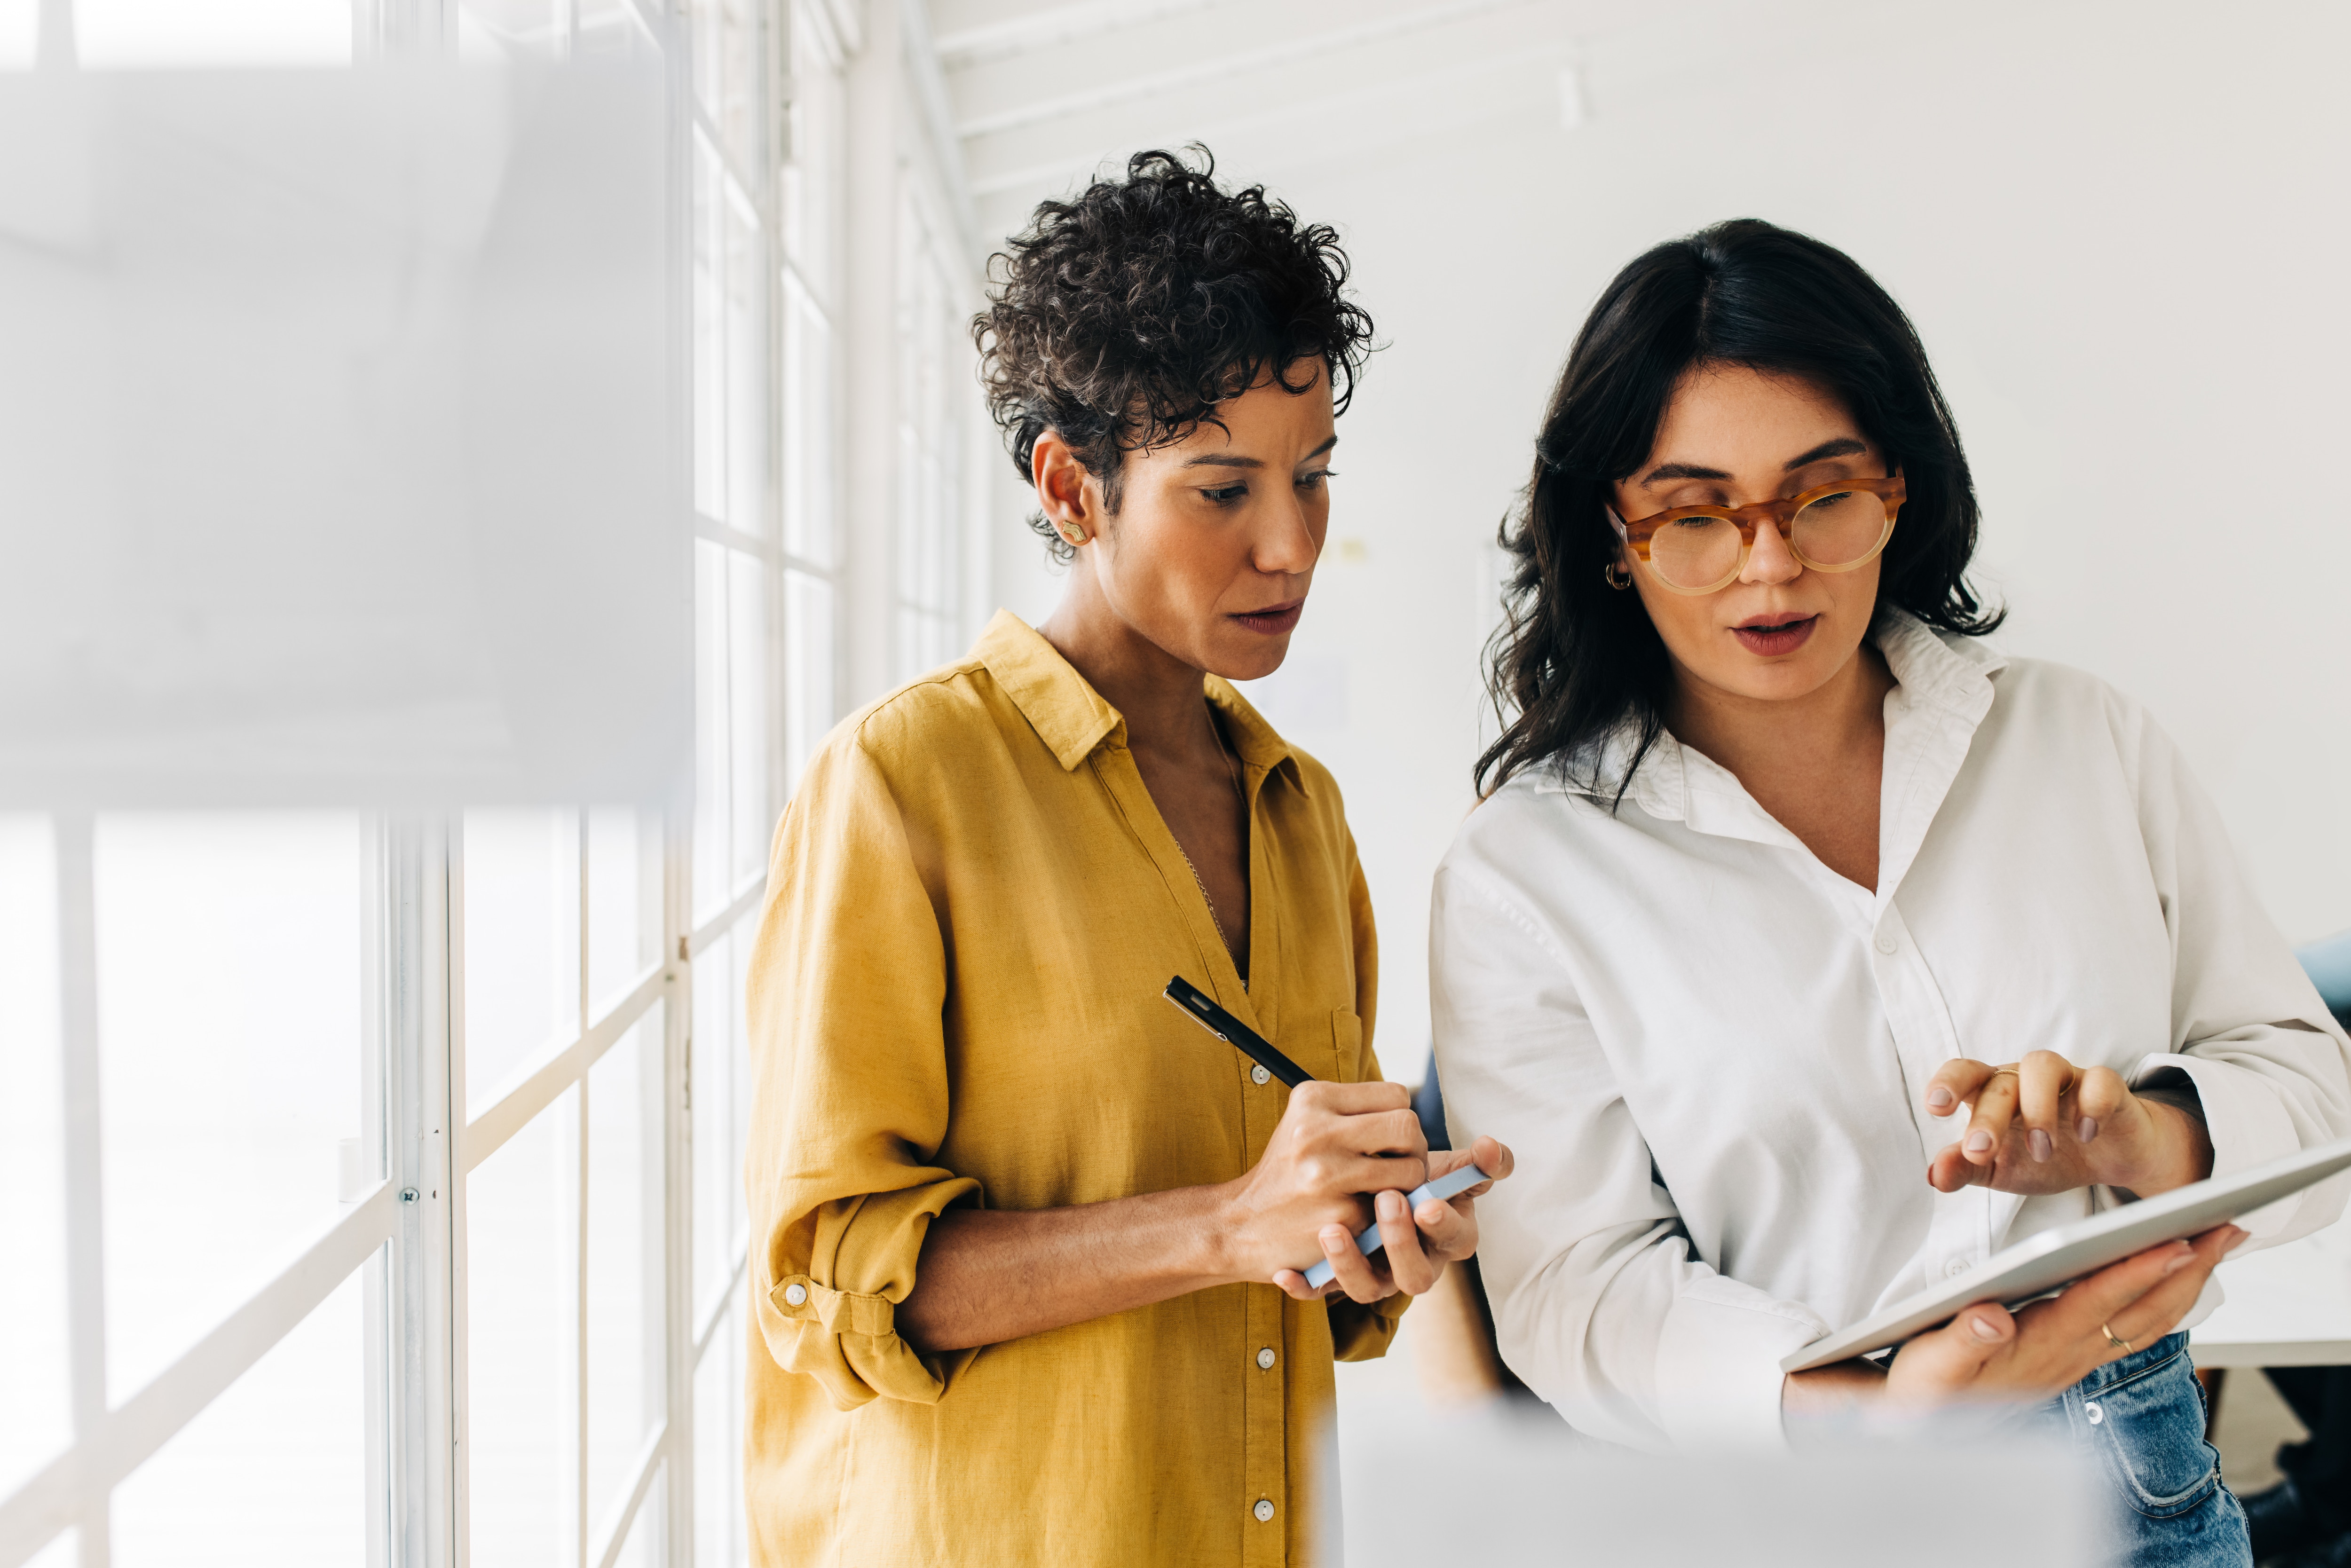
column 2120, row 229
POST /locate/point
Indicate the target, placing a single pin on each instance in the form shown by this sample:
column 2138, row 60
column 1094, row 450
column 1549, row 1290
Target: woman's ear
column 1062, row 491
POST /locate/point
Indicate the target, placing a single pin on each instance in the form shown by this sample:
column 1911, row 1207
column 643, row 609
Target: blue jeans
column 2141, row 1420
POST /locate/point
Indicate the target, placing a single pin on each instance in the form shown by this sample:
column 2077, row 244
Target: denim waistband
column 2136, row 1365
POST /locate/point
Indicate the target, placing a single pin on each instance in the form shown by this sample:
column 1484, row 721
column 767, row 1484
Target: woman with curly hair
column 1027, row 1244
column 1809, row 950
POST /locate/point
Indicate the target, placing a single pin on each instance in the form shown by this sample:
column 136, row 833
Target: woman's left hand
column 1415, row 1246
column 2043, row 1124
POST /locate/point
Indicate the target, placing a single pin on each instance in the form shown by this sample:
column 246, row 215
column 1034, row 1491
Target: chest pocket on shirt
column 1346, row 1046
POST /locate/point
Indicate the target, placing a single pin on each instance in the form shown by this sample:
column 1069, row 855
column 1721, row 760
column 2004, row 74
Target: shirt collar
column 1950, row 674
column 1071, row 718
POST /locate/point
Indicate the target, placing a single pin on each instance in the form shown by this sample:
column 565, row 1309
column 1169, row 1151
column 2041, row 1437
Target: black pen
column 1232, row 1031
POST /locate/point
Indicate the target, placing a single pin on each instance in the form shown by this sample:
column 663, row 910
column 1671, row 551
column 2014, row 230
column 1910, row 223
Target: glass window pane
column 717, row 1180
column 624, row 1259
column 710, row 730
column 64, row 1551
column 624, row 902
column 747, row 690
column 719, row 1532
column 710, row 419
column 746, row 365
column 738, row 986
column 642, row 1548
column 35, row 1389
column 807, row 426
column 144, row 34
column 521, row 871
column 522, row 1352
column 274, row 1473
column 230, row 1044
column 808, row 670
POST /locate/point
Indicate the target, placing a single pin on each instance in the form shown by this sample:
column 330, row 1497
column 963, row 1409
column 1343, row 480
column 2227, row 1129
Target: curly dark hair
column 1574, row 659
column 1122, row 318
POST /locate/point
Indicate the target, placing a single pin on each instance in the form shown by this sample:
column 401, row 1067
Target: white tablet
column 2049, row 1258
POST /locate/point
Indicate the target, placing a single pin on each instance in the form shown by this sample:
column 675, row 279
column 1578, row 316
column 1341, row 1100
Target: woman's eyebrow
column 1843, row 446
column 1665, row 471
column 1228, row 460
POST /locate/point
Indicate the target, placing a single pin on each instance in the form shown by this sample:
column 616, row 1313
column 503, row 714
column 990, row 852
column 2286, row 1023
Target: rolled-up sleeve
column 1598, row 1304
column 2270, row 1063
column 850, row 1100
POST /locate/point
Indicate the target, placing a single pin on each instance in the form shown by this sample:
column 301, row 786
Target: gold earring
column 1617, row 577
column 1072, row 536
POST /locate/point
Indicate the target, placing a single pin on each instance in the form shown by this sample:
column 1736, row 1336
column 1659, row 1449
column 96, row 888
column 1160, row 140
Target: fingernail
column 2178, row 1261
column 2237, row 1233
column 1978, row 1142
column 1983, row 1329
column 1939, row 1098
column 1333, row 1238
column 2040, row 1142
column 1388, row 1204
column 1432, row 1213
column 2086, row 1128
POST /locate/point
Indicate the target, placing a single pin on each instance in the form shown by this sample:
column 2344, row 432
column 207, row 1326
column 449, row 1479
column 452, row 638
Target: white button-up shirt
column 1707, row 1051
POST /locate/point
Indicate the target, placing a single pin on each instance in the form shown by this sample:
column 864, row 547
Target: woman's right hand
column 1335, row 1144
column 1989, row 1353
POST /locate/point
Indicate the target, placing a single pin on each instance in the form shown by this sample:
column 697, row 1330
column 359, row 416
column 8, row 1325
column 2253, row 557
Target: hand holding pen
column 1340, row 1162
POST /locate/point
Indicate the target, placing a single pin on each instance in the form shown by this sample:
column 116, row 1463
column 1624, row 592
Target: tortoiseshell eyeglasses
column 1829, row 528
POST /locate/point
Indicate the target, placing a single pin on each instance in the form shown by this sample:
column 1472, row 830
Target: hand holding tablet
column 2049, row 1258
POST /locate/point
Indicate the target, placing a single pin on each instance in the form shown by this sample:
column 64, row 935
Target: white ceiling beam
column 1519, row 86
column 1050, row 29
column 1018, row 103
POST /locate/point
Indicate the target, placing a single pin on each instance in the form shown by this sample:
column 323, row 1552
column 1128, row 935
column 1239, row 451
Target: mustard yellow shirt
column 973, row 908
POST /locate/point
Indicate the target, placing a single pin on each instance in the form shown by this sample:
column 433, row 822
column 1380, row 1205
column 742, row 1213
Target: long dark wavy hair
column 1574, row 657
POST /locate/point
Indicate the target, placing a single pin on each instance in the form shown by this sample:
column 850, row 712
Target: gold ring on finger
column 2112, row 1339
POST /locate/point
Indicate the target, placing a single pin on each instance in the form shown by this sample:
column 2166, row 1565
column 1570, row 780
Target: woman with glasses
column 1806, row 950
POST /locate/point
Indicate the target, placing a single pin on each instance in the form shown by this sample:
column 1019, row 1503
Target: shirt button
column 796, row 1294
column 1886, row 943
column 1259, row 1074
column 1264, row 1509
column 1955, row 1268
column 1264, row 1358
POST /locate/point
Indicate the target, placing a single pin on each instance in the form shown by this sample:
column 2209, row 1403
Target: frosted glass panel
column 20, row 33
column 522, row 1242
column 34, row 1389
column 229, row 1049
column 272, row 1474
column 522, row 943
column 184, row 34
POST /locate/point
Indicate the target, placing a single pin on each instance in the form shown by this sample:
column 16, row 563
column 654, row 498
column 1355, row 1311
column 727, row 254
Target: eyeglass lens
column 1835, row 531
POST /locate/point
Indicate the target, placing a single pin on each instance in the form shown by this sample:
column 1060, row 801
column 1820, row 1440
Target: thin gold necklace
column 1232, row 772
